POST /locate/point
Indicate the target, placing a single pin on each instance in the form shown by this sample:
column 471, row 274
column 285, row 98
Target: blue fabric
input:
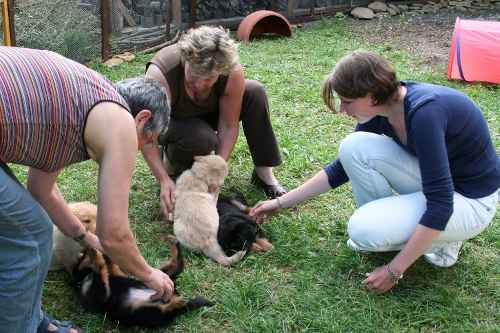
column 25, row 250
column 459, row 55
column 449, row 136
column 62, row 326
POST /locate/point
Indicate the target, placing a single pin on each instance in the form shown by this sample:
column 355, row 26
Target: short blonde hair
column 208, row 49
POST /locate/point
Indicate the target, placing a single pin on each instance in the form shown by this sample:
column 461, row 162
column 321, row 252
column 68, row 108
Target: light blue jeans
column 25, row 251
column 387, row 187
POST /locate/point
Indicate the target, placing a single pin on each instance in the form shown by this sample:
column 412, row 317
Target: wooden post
column 6, row 24
column 116, row 16
column 292, row 4
column 168, row 17
column 177, row 14
column 192, row 13
column 12, row 22
column 105, row 30
column 124, row 12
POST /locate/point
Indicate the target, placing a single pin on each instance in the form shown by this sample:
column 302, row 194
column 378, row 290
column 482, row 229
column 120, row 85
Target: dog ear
column 198, row 157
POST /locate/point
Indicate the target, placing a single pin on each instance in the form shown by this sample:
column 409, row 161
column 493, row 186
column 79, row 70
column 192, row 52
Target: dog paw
column 261, row 245
column 240, row 254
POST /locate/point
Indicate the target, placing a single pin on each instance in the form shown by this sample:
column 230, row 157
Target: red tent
column 475, row 51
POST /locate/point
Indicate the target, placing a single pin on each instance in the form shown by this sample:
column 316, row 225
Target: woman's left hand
column 379, row 281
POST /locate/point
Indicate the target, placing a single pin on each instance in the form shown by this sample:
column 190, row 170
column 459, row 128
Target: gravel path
column 425, row 35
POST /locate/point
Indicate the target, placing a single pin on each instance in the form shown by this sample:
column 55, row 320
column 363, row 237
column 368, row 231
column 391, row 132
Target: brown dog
column 103, row 287
column 196, row 220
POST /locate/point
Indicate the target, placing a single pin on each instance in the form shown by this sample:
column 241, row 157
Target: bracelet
column 395, row 277
column 279, row 203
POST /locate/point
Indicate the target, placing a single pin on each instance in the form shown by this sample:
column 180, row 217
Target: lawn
column 311, row 281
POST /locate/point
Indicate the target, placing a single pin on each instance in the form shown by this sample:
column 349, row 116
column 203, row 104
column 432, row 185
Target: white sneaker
column 353, row 246
column 445, row 256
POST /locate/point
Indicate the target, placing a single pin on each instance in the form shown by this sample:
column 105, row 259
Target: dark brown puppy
column 237, row 230
column 103, row 287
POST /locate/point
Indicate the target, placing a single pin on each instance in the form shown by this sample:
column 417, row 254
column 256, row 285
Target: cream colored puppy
column 196, row 220
column 65, row 250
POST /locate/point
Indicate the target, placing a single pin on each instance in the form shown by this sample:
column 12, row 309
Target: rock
column 392, row 12
column 403, row 8
column 460, row 3
column 429, row 9
column 363, row 13
column 113, row 62
column 126, row 56
column 378, row 6
column 155, row 5
column 394, row 8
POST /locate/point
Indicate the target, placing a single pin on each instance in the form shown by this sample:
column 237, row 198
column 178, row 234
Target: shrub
column 60, row 26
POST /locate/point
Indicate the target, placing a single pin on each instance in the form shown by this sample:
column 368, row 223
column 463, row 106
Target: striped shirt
column 44, row 103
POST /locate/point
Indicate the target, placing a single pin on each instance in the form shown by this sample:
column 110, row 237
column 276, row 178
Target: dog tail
column 241, row 206
column 216, row 253
column 198, row 302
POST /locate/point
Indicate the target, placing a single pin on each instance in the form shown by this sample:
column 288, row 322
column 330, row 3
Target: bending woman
column 422, row 166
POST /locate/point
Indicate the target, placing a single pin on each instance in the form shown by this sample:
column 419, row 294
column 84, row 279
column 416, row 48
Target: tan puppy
column 65, row 251
column 196, row 220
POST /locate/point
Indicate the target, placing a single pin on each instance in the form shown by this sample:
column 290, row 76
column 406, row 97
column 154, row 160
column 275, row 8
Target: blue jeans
column 387, row 187
column 25, row 251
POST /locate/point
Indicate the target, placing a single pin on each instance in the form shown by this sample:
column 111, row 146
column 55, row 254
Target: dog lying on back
column 196, row 221
column 103, row 287
column 237, row 230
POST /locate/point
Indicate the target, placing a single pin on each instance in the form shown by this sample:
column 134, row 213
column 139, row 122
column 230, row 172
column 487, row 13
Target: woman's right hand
column 263, row 209
column 167, row 197
column 160, row 282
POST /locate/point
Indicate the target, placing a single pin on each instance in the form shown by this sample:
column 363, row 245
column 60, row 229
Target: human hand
column 263, row 209
column 167, row 198
column 160, row 282
column 92, row 241
column 379, row 281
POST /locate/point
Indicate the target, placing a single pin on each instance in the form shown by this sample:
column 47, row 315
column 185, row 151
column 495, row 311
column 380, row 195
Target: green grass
column 311, row 282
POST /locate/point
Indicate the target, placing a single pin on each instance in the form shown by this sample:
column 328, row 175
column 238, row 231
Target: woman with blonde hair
column 209, row 96
column 429, row 144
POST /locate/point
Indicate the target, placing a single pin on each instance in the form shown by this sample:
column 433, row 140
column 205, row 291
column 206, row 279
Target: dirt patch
column 427, row 36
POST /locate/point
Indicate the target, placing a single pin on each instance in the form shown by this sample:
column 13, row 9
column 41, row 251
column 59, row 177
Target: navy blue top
column 449, row 136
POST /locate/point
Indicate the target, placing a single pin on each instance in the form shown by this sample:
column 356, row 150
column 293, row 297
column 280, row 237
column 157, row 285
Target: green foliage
column 311, row 282
column 60, row 26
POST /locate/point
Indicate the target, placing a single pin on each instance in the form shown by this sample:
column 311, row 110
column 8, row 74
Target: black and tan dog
column 237, row 230
column 103, row 287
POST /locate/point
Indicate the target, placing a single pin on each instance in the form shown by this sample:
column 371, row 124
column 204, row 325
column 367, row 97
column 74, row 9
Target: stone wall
column 149, row 13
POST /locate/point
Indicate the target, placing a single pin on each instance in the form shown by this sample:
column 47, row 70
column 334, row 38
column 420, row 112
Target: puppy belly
column 138, row 297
